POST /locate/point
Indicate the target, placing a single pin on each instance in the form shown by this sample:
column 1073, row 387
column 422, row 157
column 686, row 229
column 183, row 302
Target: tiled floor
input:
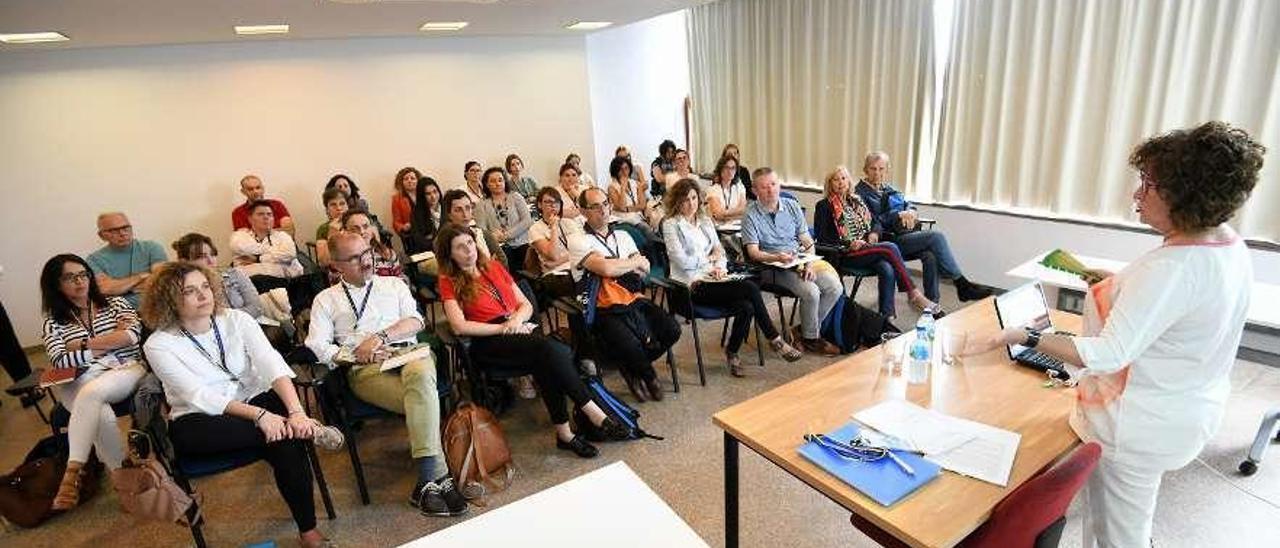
column 1206, row 504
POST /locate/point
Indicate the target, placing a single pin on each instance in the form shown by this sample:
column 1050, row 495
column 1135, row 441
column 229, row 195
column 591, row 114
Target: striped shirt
column 58, row 335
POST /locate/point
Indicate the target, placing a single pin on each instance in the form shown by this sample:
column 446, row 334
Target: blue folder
column 882, row 480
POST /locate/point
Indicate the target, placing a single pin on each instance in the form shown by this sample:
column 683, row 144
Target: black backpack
column 857, row 326
column 613, row 407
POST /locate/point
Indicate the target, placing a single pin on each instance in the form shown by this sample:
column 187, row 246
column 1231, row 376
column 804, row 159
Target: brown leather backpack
column 26, row 494
column 477, row 453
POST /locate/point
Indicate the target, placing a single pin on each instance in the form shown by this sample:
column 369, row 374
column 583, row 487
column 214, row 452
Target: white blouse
column 729, row 199
column 689, row 248
column 1176, row 322
column 194, row 383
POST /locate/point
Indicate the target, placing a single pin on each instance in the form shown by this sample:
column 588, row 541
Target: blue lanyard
column 221, row 362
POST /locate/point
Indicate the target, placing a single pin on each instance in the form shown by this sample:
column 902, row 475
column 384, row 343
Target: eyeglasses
column 358, row 258
column 858, row 449
column 550, row 201
column 73, row 277
column 1147, row 182
column 117, row 230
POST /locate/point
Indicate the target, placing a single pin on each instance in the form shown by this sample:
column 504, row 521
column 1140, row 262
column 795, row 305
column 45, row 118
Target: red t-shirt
column 240, row 215
column 494, row 297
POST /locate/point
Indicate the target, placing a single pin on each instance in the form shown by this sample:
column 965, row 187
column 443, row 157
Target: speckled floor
column 1205, row 504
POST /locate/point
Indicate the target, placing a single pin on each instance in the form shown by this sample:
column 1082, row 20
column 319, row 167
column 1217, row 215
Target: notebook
column 60, row 375
column 882, row 480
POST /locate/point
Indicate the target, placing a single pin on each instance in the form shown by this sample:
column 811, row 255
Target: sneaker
column 578, row 446
column 969, row 291
column 429, row 498
column 328, row 438
column 453, row 498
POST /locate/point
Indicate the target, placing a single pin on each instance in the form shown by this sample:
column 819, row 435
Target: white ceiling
column 102, row 23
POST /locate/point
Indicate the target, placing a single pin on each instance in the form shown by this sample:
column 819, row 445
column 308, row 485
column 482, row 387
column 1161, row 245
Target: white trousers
column 93, row 422
column 1119, row 504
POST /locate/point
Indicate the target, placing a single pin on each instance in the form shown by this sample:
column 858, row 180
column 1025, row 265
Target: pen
column 901, row 463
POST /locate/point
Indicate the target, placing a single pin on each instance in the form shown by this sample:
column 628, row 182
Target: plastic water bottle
column 920, row 349
column 926, row 322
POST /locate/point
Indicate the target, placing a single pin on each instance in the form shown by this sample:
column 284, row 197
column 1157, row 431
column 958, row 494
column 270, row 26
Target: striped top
column 57, row 335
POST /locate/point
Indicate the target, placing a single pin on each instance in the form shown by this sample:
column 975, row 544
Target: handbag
column 26, row 493
column 146, row 489
column 477, row 453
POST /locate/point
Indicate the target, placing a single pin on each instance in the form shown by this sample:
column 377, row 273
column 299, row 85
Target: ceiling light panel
column 252, row 30
column 587, row 25
column 443, row 25
column 33, row 37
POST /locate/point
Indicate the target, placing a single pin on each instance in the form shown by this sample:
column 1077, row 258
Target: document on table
column 962, row 446
column 801, row 259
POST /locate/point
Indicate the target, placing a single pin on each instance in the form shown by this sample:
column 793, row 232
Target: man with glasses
column 633, row 329
column 362, row 320
column 253, row 189
column 124, row 264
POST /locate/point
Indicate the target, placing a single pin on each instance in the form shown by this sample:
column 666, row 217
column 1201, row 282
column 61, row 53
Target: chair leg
column 853, row 292
column 782, row 318
column 318, row 472
column 334, row 417
column 759, row 343
column 697, row 348
column 724, row 334
column 675, row 376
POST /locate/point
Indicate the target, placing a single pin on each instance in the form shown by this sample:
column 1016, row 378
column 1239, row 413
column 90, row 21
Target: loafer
column 579, row 446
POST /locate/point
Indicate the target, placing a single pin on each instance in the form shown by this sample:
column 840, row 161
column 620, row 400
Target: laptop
column 1022, row 306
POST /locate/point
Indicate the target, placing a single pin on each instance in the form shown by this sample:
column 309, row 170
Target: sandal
column 68, row 496
column 784, row 350
column 735, row 365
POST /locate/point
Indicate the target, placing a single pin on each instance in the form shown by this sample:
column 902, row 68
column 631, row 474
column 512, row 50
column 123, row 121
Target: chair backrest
column 1035, row 506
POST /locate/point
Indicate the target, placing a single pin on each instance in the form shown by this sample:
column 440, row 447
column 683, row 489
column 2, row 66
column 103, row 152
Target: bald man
column 253, row 189
column 124, row 264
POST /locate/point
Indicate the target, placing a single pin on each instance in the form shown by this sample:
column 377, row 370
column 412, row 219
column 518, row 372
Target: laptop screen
column 1022, row 306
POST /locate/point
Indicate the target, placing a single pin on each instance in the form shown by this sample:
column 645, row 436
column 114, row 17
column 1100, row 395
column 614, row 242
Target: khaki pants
column 409, row 391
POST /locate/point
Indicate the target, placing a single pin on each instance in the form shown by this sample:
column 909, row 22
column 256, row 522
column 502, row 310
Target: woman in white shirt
column 549, row 240
column 630, row 200
column 84, row 328
column 698, row 261
column 726, row 198
column 570, row 187
column 227, row 388
column 1160, row 336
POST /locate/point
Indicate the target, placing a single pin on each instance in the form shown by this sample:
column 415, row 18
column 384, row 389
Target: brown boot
column 69, row 490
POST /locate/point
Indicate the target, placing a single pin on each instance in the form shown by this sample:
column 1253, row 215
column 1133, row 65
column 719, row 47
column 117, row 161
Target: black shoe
column 453, row 498
column 654, row 388
column 579, row 446
column 429, row 498
column 969, row 291
column 612, row 430
column 636, row 388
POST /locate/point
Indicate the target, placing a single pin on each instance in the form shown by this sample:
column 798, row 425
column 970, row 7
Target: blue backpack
column 613, row 407
column 850, row 326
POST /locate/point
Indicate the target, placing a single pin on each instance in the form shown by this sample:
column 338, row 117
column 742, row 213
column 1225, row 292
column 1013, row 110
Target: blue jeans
column 918, row 244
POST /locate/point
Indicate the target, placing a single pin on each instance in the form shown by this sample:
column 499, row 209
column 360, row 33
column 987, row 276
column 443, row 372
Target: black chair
column 487, row 375
column 585, row 343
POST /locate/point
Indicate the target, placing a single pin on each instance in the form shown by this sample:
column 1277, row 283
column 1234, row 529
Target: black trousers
column 742, row 299
column 12, row 356
column 619, row 341
column 548, row 360
column 515, row 255
column 200, row 434
column 301, row 289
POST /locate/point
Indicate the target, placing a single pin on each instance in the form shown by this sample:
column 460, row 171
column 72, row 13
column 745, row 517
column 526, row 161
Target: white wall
column 639, row 81
column 165, row 133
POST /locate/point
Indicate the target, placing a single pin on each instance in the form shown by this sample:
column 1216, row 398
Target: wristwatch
column 1033, row 338
column 382, row 336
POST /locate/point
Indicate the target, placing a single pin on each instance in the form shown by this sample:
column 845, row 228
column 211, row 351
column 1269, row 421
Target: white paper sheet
column 962, row 446
column 801, row 259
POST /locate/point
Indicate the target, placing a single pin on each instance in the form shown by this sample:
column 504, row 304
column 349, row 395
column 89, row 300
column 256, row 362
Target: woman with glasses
column 726, row 198
column 483, row 302
column 1153, row 362
column 85, row 329
column 698, row 261
column 385, row 260
column 228, row 389
column 471, row 179
column 504, row 214
column 549, row 240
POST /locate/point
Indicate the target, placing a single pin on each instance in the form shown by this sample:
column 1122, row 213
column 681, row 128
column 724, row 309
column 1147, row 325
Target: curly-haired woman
column 1160, row 336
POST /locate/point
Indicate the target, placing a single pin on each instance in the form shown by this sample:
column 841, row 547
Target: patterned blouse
column 853, row 219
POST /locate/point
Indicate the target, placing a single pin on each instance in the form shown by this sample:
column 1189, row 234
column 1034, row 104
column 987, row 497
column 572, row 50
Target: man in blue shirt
column 901, row 226
column 124, row 264
column 774, row 231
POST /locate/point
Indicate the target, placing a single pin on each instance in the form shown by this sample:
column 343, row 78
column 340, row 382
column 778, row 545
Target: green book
column 1060, row 259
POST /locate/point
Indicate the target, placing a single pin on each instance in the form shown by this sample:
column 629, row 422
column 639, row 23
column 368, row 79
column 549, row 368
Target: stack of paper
column 962, row 446
column 799, row 260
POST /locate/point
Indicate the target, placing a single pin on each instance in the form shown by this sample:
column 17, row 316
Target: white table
column 610, row 506
column 1264, row 303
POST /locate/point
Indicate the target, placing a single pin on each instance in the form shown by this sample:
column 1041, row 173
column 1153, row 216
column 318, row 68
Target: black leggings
column 618, row 341
column 549, row 361
column 200, row 434
column 742, row 299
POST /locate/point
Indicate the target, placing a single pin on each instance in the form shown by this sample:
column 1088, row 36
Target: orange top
column 401, row 213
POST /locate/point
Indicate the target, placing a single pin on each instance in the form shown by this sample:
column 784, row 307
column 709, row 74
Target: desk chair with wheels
column 1266, row 434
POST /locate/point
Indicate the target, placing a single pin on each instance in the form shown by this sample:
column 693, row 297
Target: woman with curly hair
column 1160, row 336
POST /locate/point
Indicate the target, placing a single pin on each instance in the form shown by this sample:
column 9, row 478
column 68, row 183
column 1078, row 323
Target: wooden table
column 989, row 388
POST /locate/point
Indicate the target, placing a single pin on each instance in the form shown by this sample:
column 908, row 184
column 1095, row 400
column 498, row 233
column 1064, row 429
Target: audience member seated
column 364, row 319
column 471, row 176
column 253, row 189
column 335, row 204
column 570, row 187
column 680, row 170
column 623, row 313
column 460, row 210
column 526, row 185
column 900, row 222
column 584, row 178
column 347, row 186
column 84, row 328
column 663, row 164
column 228, row 389
column 385, row 260
column 774, row 230
column 261, row 251
column 483, row 302
column 726, row 197
column 426, row 219
column 637, row 172
column 406, row 193
column 271, row 309
column 549, row 240
column 842, row 220
column 628, row 199
column 743, row 176
column 123, row 266
column 504, row 214
column 698, row 261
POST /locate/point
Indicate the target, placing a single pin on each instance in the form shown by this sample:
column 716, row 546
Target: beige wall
column 165, row 133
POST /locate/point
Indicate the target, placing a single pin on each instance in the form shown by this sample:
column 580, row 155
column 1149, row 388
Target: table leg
column 730, row 491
